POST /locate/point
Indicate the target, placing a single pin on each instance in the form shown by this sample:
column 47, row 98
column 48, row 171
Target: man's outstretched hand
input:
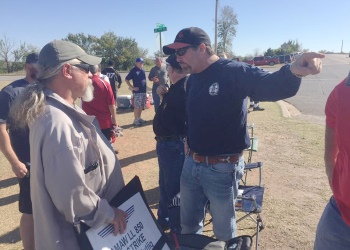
column 308, row 63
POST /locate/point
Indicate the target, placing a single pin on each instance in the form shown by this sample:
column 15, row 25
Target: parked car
column 297, row 55
column 285, row 58
column 261, row 60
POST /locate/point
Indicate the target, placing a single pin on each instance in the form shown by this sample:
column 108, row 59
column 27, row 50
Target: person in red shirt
column 333, row 229
column 103, row 104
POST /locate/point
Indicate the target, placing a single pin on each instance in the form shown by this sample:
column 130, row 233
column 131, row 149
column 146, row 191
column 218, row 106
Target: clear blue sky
column 317, row 25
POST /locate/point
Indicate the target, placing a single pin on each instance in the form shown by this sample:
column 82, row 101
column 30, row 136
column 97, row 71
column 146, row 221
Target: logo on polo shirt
column 214, row 89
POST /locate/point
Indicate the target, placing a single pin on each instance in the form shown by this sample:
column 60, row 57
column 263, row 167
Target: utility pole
column 216, row 27
column 341, row 50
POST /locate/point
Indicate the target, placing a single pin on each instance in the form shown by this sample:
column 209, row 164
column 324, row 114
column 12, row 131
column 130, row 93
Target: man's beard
column 186, row 69
column 89, row 92
column 33, row 72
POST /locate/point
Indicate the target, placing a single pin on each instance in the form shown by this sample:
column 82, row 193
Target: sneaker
column 137, row 122
column 251, row 106
column 258, row 109
column 142, row 120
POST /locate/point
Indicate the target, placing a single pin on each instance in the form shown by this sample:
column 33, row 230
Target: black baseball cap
column 59, row 51
column 32, row 58
column 172, row 61
column 186, row 37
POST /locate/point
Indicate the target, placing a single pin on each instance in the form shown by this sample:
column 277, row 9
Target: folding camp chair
column 202, row 242
column 254, row 143
column 249, row 203
column 251, row 200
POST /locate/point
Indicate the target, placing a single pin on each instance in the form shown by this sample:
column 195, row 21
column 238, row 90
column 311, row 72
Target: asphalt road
column 314, row 90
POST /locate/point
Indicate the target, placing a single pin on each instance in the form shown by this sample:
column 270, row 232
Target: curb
column 288, row 110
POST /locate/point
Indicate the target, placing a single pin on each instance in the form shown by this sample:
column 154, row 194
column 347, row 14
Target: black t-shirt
column 217, row 103
column 170, row 118
column 113, row 76
column 19, row 137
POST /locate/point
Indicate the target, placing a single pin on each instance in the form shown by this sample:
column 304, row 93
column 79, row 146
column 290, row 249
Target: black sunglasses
column 83, row 66
column 182, row 51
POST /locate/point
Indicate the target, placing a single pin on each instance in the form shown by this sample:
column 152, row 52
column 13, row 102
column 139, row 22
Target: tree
column 269, row 52
column 157, row 54
column 6, row 45
column 123, row 51
column 289, row 47
column 226, row 29
column 85, row 42
column 256, row 52
column 14, row 59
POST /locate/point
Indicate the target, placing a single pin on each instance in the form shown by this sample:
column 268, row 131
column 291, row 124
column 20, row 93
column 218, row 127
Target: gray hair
column 30, row 104
column 94, row 69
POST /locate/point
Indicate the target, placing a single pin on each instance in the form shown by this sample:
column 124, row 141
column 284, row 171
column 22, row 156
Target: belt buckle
column 225, row 159
column 193, row 157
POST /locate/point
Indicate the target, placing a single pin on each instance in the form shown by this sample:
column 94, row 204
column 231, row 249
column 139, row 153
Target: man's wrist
column 293, row 73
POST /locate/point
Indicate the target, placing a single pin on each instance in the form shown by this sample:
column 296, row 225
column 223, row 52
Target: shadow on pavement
column 8, row 182
column 8, row 200
column 11, row 237
column 124, row 111
column 137, row 158
column 131, row 125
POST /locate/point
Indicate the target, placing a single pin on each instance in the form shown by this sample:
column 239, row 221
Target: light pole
column 216, row 27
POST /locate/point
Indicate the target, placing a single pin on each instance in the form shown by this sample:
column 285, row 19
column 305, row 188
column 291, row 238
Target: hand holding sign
column 119, row 221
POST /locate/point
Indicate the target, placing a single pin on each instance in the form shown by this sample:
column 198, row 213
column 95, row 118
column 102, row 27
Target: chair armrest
column 250, row 126
column 253, row 165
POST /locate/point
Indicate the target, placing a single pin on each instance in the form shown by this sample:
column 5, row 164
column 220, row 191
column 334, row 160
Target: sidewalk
column 293, row 174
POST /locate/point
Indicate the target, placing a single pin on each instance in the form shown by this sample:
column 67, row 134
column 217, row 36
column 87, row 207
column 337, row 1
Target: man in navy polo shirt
column 14, row 144
column 138, row 77
column 216, row 108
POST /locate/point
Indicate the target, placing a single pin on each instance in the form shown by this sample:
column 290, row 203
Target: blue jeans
column 332, row 232
column 170, row 159
column 217, row 183
column 155, row 96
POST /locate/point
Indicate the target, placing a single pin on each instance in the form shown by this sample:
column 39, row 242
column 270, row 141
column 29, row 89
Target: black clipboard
column 132, row 188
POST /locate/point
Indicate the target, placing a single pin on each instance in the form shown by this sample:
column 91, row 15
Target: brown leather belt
column 215, row 159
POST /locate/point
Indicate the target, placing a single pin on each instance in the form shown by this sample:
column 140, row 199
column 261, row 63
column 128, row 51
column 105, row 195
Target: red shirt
column 103, row 97
column 338, row 118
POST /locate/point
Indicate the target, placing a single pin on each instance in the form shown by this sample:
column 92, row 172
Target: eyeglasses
column 182, row 51
column 83, row 66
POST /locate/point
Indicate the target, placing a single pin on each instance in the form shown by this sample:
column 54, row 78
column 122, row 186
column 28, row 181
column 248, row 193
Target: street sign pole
column 160, row 42
column 160, row 28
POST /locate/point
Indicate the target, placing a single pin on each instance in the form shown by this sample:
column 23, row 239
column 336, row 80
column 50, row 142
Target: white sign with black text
column 141, row 231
